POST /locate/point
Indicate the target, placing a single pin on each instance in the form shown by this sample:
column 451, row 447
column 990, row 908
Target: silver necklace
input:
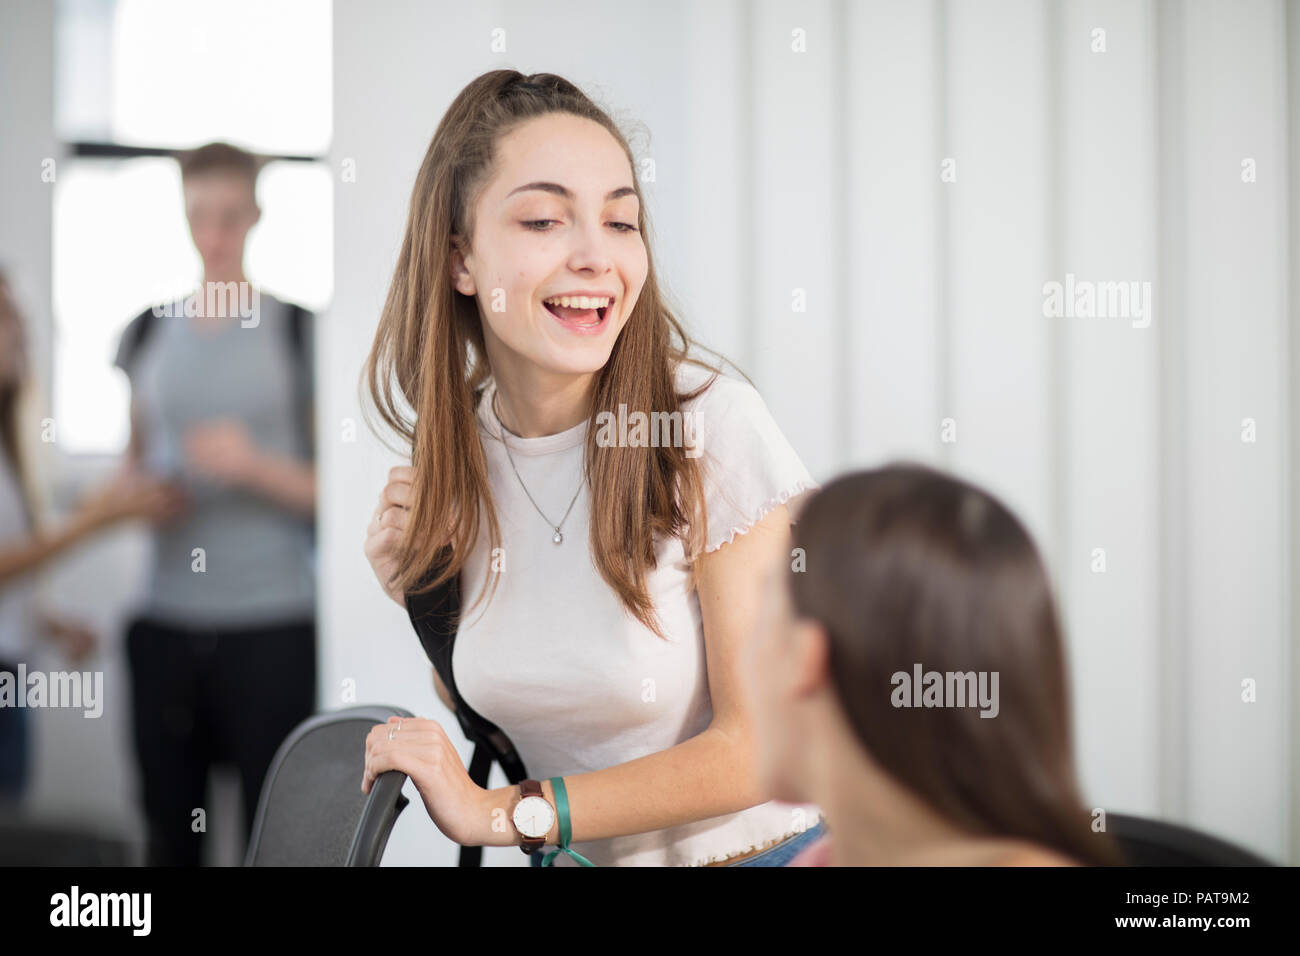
column 558, row 537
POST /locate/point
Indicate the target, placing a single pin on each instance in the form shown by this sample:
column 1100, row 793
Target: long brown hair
column 429, row 344
column 905, row 565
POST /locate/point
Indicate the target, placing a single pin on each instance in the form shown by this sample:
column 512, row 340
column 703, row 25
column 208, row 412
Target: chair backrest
column 311, row 811
column 1155, row 843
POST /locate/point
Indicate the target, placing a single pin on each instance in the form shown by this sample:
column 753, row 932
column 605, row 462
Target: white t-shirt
column 557, row 662
column 17, row 614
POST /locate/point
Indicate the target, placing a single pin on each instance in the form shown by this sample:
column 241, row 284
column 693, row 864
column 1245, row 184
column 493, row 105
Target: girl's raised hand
column 387, row 525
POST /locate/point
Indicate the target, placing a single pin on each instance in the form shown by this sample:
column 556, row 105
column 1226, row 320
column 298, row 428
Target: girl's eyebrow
column 561, row 191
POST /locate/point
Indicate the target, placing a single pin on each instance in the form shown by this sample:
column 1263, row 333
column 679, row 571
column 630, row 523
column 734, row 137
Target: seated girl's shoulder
column 718, row 388
column 1030, row 854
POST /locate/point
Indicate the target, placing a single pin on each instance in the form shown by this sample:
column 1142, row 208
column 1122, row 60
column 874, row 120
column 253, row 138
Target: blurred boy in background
column 223, row 651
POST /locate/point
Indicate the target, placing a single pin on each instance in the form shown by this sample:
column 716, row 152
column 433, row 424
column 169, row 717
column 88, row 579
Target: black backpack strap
column 133, row 338
column 435, row 615
column 297, row 315
column 294, row 331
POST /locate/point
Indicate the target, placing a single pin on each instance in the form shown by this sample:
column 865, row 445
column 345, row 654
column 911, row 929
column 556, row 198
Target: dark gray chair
column 312, row 811
column 1155, row 843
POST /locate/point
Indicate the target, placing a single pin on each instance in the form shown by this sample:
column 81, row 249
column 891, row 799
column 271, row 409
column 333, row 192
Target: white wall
column 778, row 170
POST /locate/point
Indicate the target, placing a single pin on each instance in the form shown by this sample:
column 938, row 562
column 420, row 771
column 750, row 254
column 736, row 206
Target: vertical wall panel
column 794, row 230
column 1171, row 159
column 1236, row 280
column 997, row 74
column 893, row 191
column 1290, row 357
column 717, row 280
column 1108, row 383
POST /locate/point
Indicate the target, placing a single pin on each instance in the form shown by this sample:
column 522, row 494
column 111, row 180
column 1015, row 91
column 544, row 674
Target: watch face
column 534, row 817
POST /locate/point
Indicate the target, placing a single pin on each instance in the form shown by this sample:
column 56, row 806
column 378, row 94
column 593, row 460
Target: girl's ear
column 461, row 278
column 809, row 650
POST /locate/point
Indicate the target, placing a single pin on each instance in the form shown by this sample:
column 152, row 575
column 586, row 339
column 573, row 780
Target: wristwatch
column 533, row 816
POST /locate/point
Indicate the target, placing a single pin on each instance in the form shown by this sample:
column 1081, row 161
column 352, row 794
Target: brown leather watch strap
column 531, row 788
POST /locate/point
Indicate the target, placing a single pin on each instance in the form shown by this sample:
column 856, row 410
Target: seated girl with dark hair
column 910, row 680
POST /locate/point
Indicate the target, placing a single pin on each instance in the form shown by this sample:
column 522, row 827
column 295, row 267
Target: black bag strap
column 435, row 615
column 301, row 365
column 135, row 334
column 297, row 315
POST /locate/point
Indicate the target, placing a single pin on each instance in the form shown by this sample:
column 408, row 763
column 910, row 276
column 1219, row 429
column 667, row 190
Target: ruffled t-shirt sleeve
column 748, row 465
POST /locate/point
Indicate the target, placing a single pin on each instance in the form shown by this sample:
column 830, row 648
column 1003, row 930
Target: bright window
column 157, row 75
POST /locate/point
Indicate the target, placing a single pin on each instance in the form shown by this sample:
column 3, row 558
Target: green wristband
column 562, row 811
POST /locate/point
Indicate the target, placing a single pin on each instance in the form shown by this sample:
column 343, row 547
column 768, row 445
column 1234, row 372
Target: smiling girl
column 617, row 582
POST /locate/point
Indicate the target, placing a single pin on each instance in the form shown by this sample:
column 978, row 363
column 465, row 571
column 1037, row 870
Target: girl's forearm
column 28, row 554
column 709, row 775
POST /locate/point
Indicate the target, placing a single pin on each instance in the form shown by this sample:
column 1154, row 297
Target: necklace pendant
column 557, row 538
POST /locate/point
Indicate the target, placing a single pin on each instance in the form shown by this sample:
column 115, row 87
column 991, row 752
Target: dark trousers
column 206, row 696
column 15, row 744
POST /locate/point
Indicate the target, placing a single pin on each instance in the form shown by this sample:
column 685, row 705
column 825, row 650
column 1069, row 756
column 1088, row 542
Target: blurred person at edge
column 28, row 543
column 223, row 650
column 907, row 565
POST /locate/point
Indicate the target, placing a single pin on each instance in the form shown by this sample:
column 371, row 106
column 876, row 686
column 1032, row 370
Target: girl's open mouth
column 583, row 321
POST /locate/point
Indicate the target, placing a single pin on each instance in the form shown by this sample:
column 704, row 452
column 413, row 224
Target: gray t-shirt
column 258, row 561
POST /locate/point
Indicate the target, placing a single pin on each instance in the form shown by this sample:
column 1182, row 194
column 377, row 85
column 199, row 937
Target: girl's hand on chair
column 422, row 751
